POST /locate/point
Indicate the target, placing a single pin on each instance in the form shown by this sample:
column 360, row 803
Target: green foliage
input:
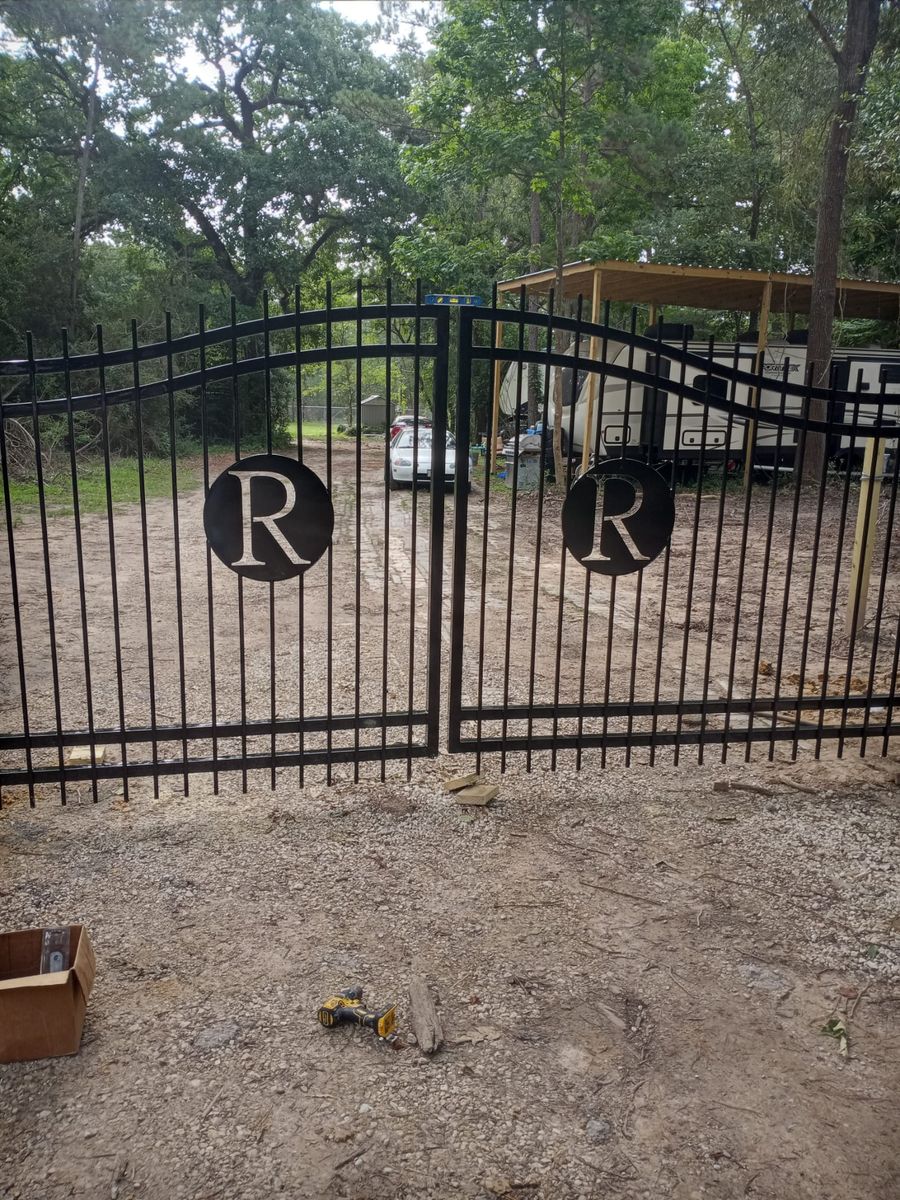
column 125, row 484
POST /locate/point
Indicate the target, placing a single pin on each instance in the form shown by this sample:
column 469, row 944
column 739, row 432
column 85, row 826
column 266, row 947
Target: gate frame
column 495, row 354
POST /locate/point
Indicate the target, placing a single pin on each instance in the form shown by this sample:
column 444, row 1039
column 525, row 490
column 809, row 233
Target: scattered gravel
column 632, row 971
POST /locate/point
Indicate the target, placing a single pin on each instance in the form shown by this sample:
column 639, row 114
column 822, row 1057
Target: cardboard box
column 41, row 1016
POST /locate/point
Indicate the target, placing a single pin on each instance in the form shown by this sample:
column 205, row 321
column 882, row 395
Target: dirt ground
column 738, row 604
column 634, row 969
column 633, row 973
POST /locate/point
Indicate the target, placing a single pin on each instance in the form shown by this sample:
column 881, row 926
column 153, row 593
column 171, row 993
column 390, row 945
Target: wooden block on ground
column 482, row 793
column 459, row 782
column 80, row 756
column 423, row 1016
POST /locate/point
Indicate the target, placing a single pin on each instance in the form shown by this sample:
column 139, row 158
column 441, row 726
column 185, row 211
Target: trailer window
column 711, row 385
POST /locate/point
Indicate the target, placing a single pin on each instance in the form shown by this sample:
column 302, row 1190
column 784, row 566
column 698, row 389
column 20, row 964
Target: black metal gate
column 210, row 565
column 128, row 648
column 669, row 595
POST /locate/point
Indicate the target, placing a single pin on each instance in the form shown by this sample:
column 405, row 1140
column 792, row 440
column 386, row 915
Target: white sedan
column 407, row 444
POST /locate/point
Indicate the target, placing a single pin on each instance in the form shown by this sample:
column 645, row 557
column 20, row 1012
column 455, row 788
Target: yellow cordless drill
column 348, row 1006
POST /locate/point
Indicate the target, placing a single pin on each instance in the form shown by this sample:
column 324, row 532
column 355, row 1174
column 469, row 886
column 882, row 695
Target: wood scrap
column 481, row 794
column 797, row 787
column 425, row 1022
column 458, row 782
column 727, row 785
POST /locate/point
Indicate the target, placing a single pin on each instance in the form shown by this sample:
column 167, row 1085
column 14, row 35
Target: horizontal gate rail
column 586, row 330
column 207, row 765
column 48, row 738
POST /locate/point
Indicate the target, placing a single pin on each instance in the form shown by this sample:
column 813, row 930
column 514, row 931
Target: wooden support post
column 653, row 314
column 495, row 411
column 864, row 540
column 587, row 439
column 756, row 397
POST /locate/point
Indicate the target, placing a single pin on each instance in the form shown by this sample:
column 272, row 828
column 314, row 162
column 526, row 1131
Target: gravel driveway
column 633, row 972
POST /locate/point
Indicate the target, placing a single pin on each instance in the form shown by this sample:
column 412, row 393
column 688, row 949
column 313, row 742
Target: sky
column 368, row 11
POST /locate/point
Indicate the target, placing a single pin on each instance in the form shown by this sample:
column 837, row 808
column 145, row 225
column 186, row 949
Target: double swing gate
column 196, row 577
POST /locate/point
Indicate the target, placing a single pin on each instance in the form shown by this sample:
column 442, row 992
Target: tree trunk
column 852, row 62
column 82, row 181
column 535, row 374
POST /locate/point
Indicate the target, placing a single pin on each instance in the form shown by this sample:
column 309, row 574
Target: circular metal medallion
column 268, row 517
column 618, row 517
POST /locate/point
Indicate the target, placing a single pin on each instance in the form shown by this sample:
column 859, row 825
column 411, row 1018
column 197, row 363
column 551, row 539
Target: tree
column 857, row 36
column 257, row 131
column 544, row 100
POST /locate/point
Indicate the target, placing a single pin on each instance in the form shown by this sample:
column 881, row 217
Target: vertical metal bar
column 460, row 519
column 563, row 551
column 611, row 614
column 869, row 492
column 242, row 646
column 436, row 544
column 692, row 569
column 113, row 572
column 489, row 467
column 813, row 572
column 298, row 401
column 764, row 579
column 179, row 602
column 507, row 645
column 17, row 611
column 892, row 675
column 385, row 592
column 717, row 555
column 267, row 396
column 411, row 664
column 838, row 562
column 539, row 531
column 588, row 575
column 358, row 530
column 626, row 438
column 145, row 546
column 673, row 478
column 79, row 556
column 45, row 543
column 611, row 610
column 329, row 579
column 210, row 603
column 882, row 588
column 789, row 566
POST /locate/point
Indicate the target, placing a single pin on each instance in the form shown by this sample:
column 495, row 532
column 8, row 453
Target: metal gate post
column 436, row 548
column 460, row 524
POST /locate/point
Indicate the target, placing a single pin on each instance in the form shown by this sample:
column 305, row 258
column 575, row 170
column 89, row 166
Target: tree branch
column 218, row 247
column 824, row 35
column 330, row 231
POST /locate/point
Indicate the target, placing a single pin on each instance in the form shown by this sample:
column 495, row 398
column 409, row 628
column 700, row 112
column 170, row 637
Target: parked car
column 409, row 443
column 406, row 421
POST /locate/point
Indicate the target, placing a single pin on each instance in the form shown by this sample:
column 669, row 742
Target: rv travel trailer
column 661, row 426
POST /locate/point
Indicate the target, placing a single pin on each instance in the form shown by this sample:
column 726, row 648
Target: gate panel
column 746, row 620
column 126, row 636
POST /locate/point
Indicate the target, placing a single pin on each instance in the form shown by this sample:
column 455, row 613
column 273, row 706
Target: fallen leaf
column 836, row 1028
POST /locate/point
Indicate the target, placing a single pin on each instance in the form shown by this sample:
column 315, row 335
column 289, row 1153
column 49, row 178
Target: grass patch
column 124, row 484
column 314, row 431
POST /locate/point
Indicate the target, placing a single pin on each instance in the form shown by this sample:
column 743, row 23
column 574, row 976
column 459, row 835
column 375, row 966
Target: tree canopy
column 162, row 156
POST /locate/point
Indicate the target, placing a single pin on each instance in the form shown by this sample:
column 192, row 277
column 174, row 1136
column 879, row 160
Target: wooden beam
column 586, row 438
column 864, row 539
column 762, row 338
column 495, row 410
